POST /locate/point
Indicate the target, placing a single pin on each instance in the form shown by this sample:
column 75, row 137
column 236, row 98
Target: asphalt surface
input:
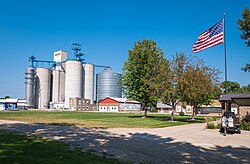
column 180, row 144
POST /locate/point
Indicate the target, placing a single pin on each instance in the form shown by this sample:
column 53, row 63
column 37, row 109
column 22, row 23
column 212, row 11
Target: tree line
column 149, row 77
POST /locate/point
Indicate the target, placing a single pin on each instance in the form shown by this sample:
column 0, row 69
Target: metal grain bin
column 108, row 84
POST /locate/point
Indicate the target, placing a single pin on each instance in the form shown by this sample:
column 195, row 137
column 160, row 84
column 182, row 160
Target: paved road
column 180, row 144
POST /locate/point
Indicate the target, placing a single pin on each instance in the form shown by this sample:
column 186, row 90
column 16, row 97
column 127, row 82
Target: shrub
column 245, row 126
column 154, row 110
column 181, row 113
column 210, row 126
column 218, row 126
column 213, row 126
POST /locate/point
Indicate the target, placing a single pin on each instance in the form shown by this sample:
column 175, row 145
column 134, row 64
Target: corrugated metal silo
column 89, row 82
column 43, row 83
column 73, row 80
column 108, row 84
column 30, row 87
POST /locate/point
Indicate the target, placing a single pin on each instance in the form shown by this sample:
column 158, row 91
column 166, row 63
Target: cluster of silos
column 108, row 84
column 68, row 79
column 38, row 87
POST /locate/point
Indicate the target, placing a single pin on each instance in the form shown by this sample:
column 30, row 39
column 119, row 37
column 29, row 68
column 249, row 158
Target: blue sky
column 107, row 29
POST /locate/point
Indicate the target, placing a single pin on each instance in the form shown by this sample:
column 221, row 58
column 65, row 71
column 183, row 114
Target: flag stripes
column 210, row 37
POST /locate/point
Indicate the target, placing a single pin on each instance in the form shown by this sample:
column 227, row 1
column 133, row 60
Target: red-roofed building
column 111, row 104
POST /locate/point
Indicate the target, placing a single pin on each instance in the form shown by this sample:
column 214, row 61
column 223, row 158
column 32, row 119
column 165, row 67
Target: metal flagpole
column 225, row 52
column 227, row 108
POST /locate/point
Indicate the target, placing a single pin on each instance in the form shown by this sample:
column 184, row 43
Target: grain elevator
column 64, row 80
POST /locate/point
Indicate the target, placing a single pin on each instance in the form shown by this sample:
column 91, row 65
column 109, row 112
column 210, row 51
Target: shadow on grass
column 59, row 124
column 135, row 147
column 17, row 148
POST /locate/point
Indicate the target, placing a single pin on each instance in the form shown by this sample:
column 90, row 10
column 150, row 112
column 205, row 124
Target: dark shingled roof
column 229, row 97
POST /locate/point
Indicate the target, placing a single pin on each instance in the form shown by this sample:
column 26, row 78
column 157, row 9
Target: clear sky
column 107, row 29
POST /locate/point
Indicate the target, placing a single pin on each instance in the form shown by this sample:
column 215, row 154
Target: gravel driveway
column 179, row 144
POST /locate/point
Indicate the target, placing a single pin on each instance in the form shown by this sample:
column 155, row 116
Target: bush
column 181, row 113
column 154, row 110
column 213, row 126
column 218, row 126
column 210, row 126
column 245, row 126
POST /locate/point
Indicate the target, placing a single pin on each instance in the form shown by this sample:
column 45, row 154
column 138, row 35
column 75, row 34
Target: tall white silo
column 58, row 89
column 56, row 86
column 43, row 83
column 89, row 82
column 62, row 85
column 73, row 80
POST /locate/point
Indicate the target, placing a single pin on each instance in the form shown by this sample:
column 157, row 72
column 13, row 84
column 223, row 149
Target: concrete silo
column 108, row 84
column 58, row 89
column 56, row 86
column 88, row 82
column 73, row 80
column 43, row 83
column 30, row 87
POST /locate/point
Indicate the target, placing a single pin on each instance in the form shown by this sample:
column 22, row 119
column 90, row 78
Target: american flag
column 210, row 37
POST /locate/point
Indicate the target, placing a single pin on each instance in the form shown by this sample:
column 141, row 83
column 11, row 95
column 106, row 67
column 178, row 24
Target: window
column 178, row 108
column 188, row 108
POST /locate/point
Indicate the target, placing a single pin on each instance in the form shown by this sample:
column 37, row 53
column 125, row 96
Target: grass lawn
column 18, row 148
column 98, row 119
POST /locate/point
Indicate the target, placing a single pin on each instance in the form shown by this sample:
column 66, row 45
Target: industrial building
column 65, row 80
column 12, row 104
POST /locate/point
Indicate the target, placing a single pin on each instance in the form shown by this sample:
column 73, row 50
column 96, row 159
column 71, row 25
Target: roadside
column 179, row 144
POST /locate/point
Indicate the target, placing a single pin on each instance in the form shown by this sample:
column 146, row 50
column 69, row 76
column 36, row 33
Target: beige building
column 79, row 104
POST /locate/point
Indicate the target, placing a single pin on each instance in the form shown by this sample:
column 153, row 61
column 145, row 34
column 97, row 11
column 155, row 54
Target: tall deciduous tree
column 142, row 80
column 244, row 26
column 245, row 89
column 199, row 84
column 173, row 93
column 232, row 87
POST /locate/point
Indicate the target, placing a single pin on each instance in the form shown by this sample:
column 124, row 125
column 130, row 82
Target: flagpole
column 225, row 52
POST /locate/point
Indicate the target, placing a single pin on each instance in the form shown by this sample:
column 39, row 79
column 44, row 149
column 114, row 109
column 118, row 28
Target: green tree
column 173, row 93
column 246, row 68
column 143, row 77
column 199, row 84
column 232, row 87
column 244, row 26
column 245, row 89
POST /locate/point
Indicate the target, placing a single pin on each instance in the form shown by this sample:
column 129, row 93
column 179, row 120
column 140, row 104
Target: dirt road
column 179, row 144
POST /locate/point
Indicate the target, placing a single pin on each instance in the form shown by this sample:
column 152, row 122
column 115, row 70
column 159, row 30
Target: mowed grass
column 21, row 149
column 98, row 119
